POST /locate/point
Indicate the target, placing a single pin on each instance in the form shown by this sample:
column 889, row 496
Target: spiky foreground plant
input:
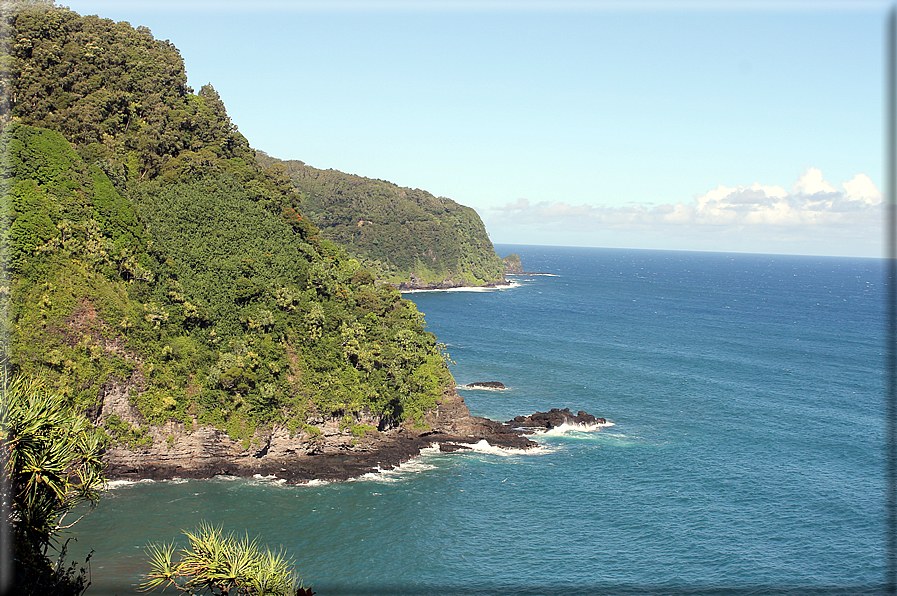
column 221, row 564
column 51, row 464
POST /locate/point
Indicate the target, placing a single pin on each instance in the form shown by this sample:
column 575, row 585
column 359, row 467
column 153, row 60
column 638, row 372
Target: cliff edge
column 512, row 265
column 335, row 454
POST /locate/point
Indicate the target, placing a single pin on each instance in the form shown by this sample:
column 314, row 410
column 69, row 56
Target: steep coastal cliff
column 173, row 289
column 405, row 237
column 150, row 257
column 332, row 451
column 512, row 264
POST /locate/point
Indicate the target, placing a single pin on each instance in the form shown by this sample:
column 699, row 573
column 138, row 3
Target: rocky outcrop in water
column 512, row 264
column 485, row 385
column 554, row 418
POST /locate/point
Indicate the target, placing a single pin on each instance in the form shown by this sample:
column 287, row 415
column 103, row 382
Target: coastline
column 407, row 287
column 412, row 289
column 336, row 456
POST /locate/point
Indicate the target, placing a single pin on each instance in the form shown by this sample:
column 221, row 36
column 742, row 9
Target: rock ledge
column 335, row 455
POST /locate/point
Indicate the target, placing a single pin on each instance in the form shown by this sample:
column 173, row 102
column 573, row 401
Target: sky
column 708, row 125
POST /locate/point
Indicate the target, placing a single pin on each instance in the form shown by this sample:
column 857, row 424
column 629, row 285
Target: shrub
column 221, row 564
column 52, row 460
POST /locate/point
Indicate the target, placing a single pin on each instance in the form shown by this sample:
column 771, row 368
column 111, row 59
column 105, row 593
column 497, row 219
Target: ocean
column 744, row 450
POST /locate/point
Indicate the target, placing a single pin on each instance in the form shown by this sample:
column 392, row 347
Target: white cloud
column 811, row 183
column 861, row 188
column 815, row 211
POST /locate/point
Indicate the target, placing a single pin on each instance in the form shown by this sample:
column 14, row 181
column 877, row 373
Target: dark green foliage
column 123, row 433
column 150, row 254
column 512, row 264
column 399, row 233
column 65, row 264
column 253, row 318
column 116, row 92
column 280, row 304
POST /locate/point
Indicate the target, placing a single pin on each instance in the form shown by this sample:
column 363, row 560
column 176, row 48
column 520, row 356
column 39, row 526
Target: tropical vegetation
column 219, row 563
column 402, row 235
column 51, row 465
column 149, row 253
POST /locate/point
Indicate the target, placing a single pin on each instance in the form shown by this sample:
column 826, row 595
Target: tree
column 221, row 564
column 51, row 461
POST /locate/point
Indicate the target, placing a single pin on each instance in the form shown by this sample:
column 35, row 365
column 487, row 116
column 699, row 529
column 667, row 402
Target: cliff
column 512, row 265
column 150, row 258
column 332, row 452
column 406, row 237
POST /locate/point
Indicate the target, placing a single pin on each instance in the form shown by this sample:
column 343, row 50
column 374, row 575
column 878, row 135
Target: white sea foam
column 480, row 388
column 420, row 463
column 509, row 286
column 428, row 455
column 483, row 446
column 270, row 478
column 226, row 477
column 273, row 480
column 567, row 428
column 114, row 484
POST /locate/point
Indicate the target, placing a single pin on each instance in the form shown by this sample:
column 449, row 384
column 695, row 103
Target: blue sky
column 723, row 126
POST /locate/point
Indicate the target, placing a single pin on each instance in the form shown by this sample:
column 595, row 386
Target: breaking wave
column 483, row 447
column 480, row 388
column 420, row 463
column 509, row 286
column 114, row 484
column 269, row 479
column 567, row 428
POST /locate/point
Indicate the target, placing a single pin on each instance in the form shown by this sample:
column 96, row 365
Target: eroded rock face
column 452, row 423
column 334, row 454
column 554, row 418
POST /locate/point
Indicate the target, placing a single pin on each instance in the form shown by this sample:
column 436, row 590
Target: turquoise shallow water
column 745, row 456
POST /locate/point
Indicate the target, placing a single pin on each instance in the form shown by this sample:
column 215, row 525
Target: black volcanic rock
column 554, row 418
column 336, row 454
column 487, row 385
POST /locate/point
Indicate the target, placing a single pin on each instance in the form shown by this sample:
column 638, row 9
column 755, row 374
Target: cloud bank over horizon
column 814, row 217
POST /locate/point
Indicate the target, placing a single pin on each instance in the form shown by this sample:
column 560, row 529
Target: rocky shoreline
column 448, row 284
column 335, row 455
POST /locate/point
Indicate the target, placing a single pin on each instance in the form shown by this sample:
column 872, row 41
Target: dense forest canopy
column 401, row 234
column 150, row 254
column 118, row 94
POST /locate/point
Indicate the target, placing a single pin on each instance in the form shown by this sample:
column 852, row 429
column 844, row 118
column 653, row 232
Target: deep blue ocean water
column 746, row 454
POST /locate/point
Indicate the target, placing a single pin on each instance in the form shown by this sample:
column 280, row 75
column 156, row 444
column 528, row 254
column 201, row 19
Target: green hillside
column 149, row 254
column 403, row 235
